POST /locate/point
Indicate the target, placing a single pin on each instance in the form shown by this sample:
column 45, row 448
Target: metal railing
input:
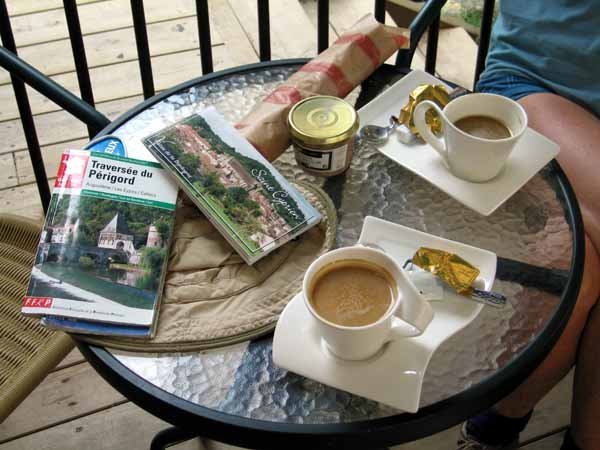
column 22, row 73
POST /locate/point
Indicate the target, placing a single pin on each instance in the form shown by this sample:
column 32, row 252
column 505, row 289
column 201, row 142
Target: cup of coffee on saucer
column 360, row 299
column 479, row 132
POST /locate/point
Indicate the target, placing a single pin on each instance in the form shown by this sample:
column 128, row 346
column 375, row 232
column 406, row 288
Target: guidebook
column 82, row 326
column 103, row 250
column 240, row 192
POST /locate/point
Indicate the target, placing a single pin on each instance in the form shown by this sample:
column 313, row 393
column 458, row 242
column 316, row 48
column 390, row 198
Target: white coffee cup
column 408, row 315
column 469, row 157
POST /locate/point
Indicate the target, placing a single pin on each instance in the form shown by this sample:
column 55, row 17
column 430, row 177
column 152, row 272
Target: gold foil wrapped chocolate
column 435, row 93
column 451, row 268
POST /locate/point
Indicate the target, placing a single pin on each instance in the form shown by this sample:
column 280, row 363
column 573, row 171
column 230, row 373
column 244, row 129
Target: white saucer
column 394, row 376
column 531, row 153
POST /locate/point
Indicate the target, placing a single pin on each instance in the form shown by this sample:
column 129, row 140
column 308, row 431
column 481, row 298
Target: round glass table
column 237, row 395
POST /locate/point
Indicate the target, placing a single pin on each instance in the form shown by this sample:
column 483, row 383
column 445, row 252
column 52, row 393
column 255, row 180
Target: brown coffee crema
column 352, row 292
column 484, row 127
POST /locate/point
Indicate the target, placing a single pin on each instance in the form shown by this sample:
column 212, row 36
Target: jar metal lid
column 322, row 120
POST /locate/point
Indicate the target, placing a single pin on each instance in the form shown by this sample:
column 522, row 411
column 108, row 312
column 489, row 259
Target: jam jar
column 322, row 128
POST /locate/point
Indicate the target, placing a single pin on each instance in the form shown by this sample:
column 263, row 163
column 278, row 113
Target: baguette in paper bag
column 336, row 71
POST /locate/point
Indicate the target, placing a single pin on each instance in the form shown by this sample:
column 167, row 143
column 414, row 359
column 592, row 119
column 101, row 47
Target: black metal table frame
column 198, row 420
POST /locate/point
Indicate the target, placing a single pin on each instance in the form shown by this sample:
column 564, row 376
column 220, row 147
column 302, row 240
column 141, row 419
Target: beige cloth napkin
column 212, row 298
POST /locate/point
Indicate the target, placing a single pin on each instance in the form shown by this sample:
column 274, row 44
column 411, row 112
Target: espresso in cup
column 352, row 292
column 484, row 127
column 359, row 299
column 479, row 131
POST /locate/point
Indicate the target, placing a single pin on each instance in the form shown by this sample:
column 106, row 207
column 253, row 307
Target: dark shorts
column 509, row 85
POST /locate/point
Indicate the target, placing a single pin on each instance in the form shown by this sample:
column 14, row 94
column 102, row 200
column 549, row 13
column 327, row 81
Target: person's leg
column 586, row 389
column 578, row 133
column 563, row 355
column 499, row 427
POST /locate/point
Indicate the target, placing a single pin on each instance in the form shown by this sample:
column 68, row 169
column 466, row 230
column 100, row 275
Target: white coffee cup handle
column 414, row 313
column 437, row 143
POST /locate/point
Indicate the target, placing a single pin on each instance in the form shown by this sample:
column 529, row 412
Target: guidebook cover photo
column 103, row 250
column 244, row 196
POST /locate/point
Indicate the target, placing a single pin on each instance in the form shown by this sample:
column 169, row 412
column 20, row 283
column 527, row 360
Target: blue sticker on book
column 107, row 144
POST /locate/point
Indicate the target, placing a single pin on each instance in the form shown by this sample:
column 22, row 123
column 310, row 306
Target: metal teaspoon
column 379, row 135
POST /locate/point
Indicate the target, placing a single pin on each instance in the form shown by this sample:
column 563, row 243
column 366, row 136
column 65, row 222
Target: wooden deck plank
column 58, row 130
column 545, row 420
column 13, row 137
column 552, row 413
column 552, row 442
column 345, row 13
column 63, row 395
column 74, row 357
column 51, row 155
column 123, row 80
column 310, row 7
column 51, row 25
column 452, row 47
column 8, row 171
column 292, row 33
column 113, row 47
column 237, row 47
column 22, row 201
column 59, row 126
column 122, row 427
column 22, row 7
column 456, row 56
column 450, row 16
column 418, row 61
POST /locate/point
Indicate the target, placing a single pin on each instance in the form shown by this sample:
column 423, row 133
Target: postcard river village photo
column 230, row 181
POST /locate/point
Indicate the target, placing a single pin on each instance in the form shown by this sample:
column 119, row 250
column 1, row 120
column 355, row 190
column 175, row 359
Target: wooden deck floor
column 74, row 408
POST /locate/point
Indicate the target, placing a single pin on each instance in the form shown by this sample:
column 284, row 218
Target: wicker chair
column 28, row 351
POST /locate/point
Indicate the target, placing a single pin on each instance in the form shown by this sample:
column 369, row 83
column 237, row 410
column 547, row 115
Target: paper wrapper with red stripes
column 336, row 71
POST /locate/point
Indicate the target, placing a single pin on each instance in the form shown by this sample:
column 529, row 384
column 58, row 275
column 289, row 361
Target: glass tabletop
column 531, row 234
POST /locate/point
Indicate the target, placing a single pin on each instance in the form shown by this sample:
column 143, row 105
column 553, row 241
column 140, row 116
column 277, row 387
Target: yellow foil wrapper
column 435, row 93
column 451, row 268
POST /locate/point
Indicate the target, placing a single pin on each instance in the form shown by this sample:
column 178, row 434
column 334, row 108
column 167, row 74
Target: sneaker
column 469, row 442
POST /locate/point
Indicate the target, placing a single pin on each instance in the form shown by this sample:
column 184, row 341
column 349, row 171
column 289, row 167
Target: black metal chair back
column 22, row 73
